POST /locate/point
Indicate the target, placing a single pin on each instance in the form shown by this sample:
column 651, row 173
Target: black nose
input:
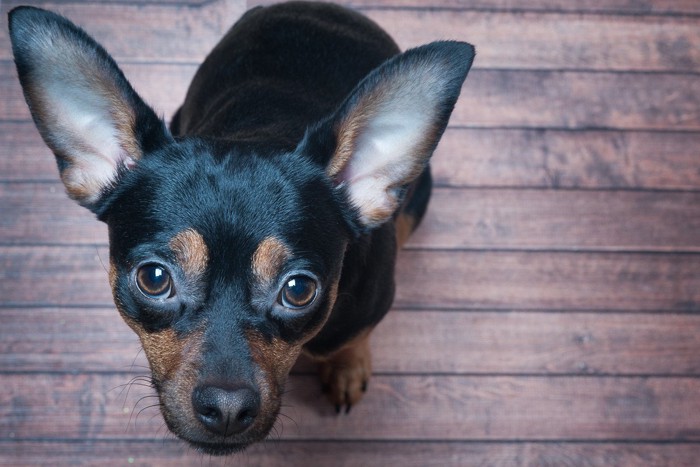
column 226, row 411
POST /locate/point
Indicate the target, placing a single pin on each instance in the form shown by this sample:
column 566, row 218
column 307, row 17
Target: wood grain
column 490, row 98
column 426, row 279
column 554, row 41
column 504, row 39
column 578, row 100
column 551, row 281
column 472, row 157
column 546, row 312
column 27, row 207
column 353, row 453
column 426, row 342
column 560, row 220
column 652, row 7
column 567, row 159
column 571, row 100
column 457, row 218
column 430, row 408
column 141, row 31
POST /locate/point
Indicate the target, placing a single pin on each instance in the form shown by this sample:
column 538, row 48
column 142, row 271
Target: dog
column 266, row 220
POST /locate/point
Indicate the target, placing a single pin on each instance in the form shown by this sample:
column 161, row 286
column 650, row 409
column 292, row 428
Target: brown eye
column 298, row 292
column 154, row 281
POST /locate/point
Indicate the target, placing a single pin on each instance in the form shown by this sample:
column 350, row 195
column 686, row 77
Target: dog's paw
column 345, row 376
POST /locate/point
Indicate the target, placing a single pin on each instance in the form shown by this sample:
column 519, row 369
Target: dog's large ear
column 383, row 135
column 84, row 108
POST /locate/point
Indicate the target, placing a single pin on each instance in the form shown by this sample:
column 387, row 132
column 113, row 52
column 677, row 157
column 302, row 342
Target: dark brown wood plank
column 483, row 158
column 567, row 159
column 536, row 343
column 26, row 209
column 490, row 98
column 55, row 339
column 533, row 219
column 55, row 275
column 554, row 41
column 395, row 408
column 651, row 7
column 430, row 342
column 426, row 279
column 595, row 6
column 493, row 219
column 504, row 39
column 578, row 100
column 142, row 31
column 353, row 453
column 23, row 154
column 552, row 281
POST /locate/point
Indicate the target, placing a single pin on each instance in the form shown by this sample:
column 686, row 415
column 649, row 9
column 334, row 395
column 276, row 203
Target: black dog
column 266, row 221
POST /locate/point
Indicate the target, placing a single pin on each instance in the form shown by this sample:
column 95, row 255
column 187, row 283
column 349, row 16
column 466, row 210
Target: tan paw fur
column 345, row 375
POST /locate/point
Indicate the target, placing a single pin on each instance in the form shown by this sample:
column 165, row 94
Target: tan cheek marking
column 269, row 258
column 405, row 223
column 165, row 351
column 275, row 359
column 112, row 275
column 191, row 252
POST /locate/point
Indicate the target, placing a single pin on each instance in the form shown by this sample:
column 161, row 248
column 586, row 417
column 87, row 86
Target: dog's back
column 280, row 69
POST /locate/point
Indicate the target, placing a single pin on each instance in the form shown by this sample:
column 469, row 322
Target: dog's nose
column 226, row 411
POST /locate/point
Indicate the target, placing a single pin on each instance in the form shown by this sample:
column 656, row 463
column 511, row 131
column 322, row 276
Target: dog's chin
column 218, row 445
column 218, row 449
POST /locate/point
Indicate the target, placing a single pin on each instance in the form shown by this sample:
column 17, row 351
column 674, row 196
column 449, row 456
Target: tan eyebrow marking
column 269, row 258
column 191, row 252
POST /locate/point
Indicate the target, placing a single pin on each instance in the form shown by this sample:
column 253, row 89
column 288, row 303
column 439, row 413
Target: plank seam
column 142, row 440
column 539, row 11
column 393, row 375
column 574, row 250
column 400, row 309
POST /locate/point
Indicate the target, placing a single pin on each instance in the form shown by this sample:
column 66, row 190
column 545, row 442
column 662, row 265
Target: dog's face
column 226, row 257
column 224, row 277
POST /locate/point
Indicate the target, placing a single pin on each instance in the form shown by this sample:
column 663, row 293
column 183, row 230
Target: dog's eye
column 154, row 281
column 298, row 292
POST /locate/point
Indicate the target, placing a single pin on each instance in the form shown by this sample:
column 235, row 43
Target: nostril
column 226, row 411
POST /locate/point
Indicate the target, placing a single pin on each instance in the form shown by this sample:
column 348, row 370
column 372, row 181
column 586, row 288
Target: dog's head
column 226, row 258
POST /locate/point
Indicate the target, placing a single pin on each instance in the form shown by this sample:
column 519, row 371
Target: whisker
column 139, row 413
column 296, row 425
column 138, row 382
column 97, row 253
column 133, row 363
column 157, row 414
column 145, row 408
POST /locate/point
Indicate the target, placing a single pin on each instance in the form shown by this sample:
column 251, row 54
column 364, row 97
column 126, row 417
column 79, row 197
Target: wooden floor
column 547, row 313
